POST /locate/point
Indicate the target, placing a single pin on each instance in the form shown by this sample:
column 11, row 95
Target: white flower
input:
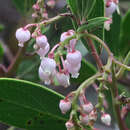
column 73, row 70
column 106, row 119
column 64, row 106
column 46, row 77
column 63, row 79
column 84, row 119
column 74, row 58
column 66, row 35
column 48, row 65
column 22, row 35
column 110, row 9
column 47, row 70
column 69, row 125
column 42, row 52
column 88, row 107
column 41, row 41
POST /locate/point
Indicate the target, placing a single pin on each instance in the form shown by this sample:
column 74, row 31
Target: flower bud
column 41, row 41
column 74, row 58
column 69, row 125
column 64, row 106
column 63, row 79
column 36, row 7
column 106, row 119
column 66, row 35
column 88, row 107
column 22, row 35
column 51, row 3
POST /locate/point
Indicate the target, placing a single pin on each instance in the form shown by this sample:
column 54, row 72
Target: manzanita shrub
column 96, row 24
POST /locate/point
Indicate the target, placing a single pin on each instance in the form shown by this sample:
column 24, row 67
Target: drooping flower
column 22, row 35
column 64, row 106
column 106, row 119
column 63, row 79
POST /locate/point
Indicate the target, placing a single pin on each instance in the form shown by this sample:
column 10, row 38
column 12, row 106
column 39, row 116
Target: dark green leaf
column 86, row 71
column 92, row 23
column 23, row 5
column 98, row 11
column 81, row 8
column 1, row 51
column 1, row 27
column 125, row 34
column 28, row 105
column 112, row 36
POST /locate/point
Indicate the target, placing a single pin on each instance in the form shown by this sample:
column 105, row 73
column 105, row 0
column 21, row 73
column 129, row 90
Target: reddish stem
column 95, row 54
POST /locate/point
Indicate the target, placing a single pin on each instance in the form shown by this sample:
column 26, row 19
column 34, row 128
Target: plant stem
column 95, row 54
column 101, row 42
column 15, row 63
column 116, row 107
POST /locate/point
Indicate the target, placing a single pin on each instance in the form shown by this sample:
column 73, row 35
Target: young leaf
column 92, row 23
column 28, row 105
column 125, row 34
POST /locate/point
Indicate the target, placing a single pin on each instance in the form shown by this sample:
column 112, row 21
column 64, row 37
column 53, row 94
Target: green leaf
column 1, row 51
column 86, row 71
column 23, row 6
column 28, row 105
column 92, row 23
column 81, row 8
column 1, row 27
column 112, row 36
column 125, row 34
column 98, row 11
column 28, row 69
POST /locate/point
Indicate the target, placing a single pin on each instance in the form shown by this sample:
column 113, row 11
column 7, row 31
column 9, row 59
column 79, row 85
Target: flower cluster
column 49, row 68
column 88, row 112
column 110, row 7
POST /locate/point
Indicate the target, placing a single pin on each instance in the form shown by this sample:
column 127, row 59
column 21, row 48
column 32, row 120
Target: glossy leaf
column 28, row 105
column 112, row 36
column 125, row 34
column 23, row 5
column 92, row 23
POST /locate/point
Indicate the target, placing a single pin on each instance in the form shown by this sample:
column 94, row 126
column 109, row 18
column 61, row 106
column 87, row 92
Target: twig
column 95, row 54
column 116, row 106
